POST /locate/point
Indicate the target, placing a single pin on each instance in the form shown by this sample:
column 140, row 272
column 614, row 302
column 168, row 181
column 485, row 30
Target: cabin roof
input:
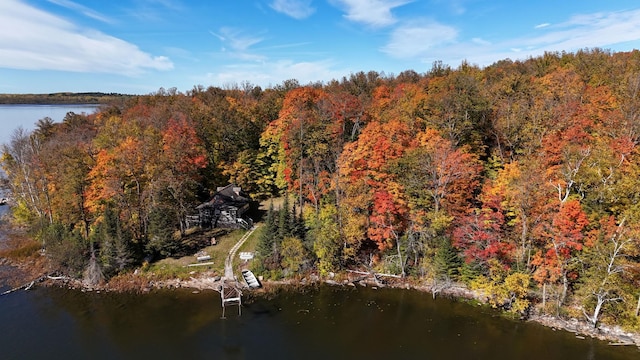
column 227, row 196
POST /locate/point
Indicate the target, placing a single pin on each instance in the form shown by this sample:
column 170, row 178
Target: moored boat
column 251, row 280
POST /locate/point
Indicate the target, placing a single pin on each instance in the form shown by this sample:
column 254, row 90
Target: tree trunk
column 638, row 306
column 400, row 258
column 523, row 239
column 600, row 300
column 565, row 288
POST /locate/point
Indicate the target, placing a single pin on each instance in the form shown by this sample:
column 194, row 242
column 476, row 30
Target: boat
column 251, row 280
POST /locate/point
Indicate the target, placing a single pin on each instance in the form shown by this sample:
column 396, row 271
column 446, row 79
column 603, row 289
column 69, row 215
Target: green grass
column 249, row 246
column 178, row 267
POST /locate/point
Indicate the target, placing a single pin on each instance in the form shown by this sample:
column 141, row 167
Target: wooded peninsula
column 519, row 179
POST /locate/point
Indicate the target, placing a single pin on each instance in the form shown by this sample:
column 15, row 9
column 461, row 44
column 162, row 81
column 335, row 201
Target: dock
column 230, row 294
column 230, row 288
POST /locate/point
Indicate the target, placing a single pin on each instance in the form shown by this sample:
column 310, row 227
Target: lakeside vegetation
column 519, row 179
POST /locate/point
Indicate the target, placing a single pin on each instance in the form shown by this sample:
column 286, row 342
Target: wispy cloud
column 540, row 26
column 237, row 44
column 297, row 9
column 418, row 39
column 169, row 4
column 83, row 10
column 436, row 41
column 457, row 7
column 154, row 10
column 480, row 41
column 589, row 30
column 272, row 73
column 375, row 13
column 237, row 39
column 33, row 39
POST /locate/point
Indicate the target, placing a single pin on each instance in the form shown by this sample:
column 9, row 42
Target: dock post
column 233, row 295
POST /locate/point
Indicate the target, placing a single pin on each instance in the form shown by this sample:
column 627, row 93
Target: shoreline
column 455, row 291
column 20, row 274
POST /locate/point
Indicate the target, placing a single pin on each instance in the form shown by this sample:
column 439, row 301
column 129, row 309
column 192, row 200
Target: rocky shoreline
column 16, row 275
column 210, row 281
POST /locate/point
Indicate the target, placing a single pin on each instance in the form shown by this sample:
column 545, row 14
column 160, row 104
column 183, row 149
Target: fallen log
column 26, row 286
column 57, row 277
column 374, row 274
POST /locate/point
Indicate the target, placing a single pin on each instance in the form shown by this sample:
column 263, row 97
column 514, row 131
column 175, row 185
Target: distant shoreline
column 64, row 98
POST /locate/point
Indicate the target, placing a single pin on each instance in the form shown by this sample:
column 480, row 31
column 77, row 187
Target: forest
column 520, row 179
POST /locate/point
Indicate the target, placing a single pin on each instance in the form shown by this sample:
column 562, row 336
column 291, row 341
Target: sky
column 139, row 46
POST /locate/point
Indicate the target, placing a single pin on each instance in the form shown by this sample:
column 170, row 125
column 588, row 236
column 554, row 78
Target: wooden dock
column 230, row 294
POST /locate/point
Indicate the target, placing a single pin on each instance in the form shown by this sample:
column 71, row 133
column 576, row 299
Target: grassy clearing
column 249, row 246
column 179, row 267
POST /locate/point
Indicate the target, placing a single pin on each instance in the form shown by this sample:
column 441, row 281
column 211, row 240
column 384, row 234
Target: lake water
column 13, row 116
column 324, row 323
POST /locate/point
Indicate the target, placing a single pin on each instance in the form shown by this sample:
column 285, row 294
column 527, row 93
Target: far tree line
column 65, row 98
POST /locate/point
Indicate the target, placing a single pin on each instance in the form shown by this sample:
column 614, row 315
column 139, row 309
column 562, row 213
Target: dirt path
column 228, row 262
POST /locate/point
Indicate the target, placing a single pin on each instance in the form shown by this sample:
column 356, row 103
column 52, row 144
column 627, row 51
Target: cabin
column 226, row 209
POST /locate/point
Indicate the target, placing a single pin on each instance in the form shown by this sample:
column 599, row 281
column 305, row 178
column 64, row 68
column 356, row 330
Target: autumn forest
column 520, row 179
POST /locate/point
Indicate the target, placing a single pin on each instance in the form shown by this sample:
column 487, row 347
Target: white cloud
column 440, row 42
column 82, row 9
column 32, row 39
column 153, row 10
column 297, row 9
column 238, row 40
column 457, row 7
column 590, row 30
column 269, row 74
column 418, row 39
column 540, row 26
column 239, row 44
column 376, row 13
column 480, row 41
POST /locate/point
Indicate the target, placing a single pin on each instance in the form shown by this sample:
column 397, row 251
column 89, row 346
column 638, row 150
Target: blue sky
column 138, row 46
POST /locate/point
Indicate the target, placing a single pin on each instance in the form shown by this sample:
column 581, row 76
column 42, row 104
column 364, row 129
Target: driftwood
column 374, row 274
column 26, row 286
column 57, row 277
column 377, row 277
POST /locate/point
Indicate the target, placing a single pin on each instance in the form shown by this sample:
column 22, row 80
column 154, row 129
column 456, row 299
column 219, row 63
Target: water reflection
column 317, row 324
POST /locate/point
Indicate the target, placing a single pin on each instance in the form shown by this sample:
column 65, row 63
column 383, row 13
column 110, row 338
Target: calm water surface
column 14, row 116
column 327, row 323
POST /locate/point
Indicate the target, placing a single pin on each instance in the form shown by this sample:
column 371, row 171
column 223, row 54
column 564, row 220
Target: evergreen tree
column 115, row 253
column 66, row 249
column 265, row 246
column 447, row 261
column 284, row 220
column 162, row 226
column 297, row 224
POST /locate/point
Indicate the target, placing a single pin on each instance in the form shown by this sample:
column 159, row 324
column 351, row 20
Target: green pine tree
column 265, row 246
column 284, row 220
column 447, row 261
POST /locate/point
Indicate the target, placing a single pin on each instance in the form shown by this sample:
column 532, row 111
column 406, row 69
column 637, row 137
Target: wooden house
column 226, row 209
